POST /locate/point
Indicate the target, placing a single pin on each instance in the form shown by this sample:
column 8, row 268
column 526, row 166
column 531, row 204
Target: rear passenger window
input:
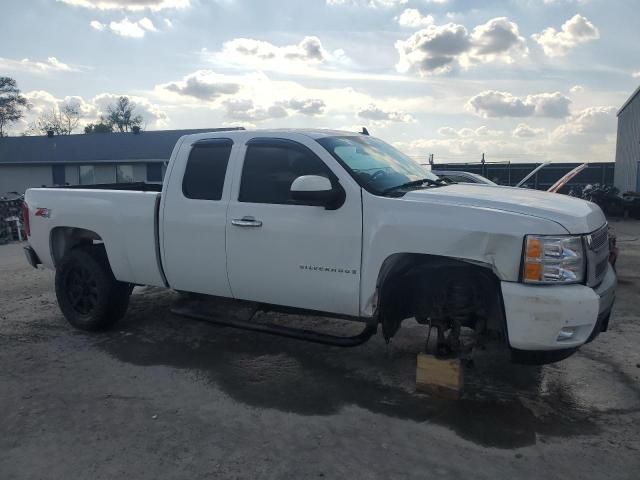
column 206, row 169
column 271, row 166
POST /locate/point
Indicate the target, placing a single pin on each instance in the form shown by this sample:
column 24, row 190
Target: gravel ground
column 162, row 396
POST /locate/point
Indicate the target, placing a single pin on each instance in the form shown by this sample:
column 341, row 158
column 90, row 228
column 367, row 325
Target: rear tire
column 88, row 294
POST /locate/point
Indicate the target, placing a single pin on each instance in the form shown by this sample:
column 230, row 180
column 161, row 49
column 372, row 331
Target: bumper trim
column 602, row 324
column 32, row 256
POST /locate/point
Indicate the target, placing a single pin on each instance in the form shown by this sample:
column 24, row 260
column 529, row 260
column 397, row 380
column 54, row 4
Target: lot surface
column 166, row 397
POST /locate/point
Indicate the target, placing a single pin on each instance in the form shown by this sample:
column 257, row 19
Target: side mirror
column 313, row 190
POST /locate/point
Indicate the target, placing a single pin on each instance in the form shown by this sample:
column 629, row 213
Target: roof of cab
column 314, row 133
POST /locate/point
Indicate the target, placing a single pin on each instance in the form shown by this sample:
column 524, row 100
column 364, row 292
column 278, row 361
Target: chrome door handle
column 246, row 222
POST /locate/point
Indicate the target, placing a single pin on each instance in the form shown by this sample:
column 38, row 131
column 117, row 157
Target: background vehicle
column 463, row 177
column 337, row 223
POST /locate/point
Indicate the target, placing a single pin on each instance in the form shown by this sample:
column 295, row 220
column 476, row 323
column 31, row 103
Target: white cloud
column 576, row 89
column 367, row 3
column 554, row 105
column 95, row 24
column 447, row 132
column 557, row 2
column 588, row 122
column 440, row 48
column 245, row 110
column 587, row 135
column 309, row 50
column 378, row 115
column 492, row 103
column 126, row 28
column 308, row 106
column 133, row 5
column 433, row 49
column 52, row 64
column 203, row 85
column 525, row 131
column 483, row 131
column 467, row 148
column 498, row 39
column 136, row 29
column 411, row 17
column 575, row 31
column 168, row 22
column 147, row 24
column 486, row 132
column 636, row 74
column 206, row 89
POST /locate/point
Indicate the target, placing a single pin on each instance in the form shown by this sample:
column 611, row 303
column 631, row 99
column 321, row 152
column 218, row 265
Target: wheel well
column 417, row 285
column 63, row 239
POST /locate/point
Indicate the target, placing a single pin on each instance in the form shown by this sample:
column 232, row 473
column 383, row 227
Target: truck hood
column 575, row 215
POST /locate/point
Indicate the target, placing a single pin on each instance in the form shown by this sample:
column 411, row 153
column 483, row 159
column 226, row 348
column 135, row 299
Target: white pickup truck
column 337, row 223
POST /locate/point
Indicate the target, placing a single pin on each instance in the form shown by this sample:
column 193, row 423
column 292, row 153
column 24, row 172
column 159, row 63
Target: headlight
column 553, row 259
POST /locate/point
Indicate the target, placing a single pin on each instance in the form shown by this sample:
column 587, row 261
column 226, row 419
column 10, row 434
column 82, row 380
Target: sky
column 517, row 80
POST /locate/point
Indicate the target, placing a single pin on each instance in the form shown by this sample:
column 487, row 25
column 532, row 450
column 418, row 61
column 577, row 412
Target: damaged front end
column 446, row 294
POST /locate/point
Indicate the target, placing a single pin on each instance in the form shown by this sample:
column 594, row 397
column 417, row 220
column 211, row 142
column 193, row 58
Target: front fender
column 483, row 236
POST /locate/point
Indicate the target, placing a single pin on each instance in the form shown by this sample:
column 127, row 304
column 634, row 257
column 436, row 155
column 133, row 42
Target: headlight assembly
column 549, row 260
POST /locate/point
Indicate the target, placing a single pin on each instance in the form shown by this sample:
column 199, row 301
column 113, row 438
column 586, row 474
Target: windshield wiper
column 416, row 183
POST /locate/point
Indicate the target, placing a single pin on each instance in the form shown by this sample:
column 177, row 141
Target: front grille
column 601, row 268
column 599, row 238
column 597, row 255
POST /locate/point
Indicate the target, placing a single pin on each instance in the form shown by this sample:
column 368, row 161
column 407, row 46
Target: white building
column 627, row 177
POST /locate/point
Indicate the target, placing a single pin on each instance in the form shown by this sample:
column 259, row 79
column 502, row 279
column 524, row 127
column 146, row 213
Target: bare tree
column 12, row 104
column 61, row 121
column 69, row 117
column 121, row 115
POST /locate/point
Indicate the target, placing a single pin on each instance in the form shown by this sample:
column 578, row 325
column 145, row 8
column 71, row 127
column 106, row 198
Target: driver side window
column 270, row 167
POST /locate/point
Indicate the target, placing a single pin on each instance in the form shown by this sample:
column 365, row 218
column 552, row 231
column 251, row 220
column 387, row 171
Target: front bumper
column 535, row 315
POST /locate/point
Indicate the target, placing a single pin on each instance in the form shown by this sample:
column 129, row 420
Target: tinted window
column 457, row 178
column 271, row 166
column 374, row 164
column 154, row 172
column 124, row 173
column 87, row 175
column 206, row 168
column 59, row 175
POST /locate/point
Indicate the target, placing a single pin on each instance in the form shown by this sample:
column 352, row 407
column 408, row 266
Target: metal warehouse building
column 27, row 162
column 627, row 177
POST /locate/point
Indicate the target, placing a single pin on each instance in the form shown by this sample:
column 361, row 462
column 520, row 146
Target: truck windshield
column 376, row 165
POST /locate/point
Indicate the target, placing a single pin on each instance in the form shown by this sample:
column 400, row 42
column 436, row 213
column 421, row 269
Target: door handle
column 246, row 222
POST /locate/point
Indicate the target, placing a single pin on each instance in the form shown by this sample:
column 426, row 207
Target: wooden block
column 441, row 377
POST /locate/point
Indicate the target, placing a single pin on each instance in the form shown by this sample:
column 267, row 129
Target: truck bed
column 123, row 216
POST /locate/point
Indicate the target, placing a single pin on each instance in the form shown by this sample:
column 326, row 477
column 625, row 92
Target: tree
column 103, row 126
column 12, row 104
column 69, row 117
column 121, row 115
column 61, row 121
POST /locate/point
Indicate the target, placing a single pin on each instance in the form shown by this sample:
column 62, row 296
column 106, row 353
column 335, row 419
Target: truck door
column 287, row 253
column 194, row 218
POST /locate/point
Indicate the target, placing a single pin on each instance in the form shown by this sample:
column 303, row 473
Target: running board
column 370, row 329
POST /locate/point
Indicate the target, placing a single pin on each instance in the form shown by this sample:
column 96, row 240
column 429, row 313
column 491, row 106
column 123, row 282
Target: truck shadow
column 504, row 406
